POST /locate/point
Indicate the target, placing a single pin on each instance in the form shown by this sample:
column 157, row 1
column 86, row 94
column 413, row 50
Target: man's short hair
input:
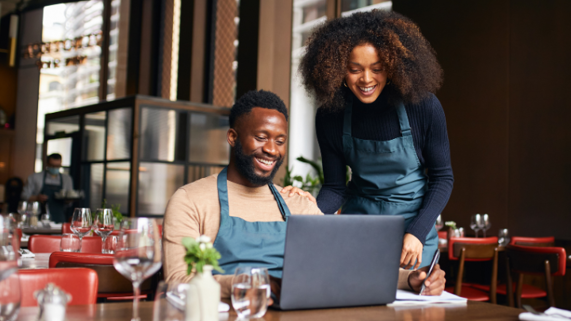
column 251, row 99
column 54, row 156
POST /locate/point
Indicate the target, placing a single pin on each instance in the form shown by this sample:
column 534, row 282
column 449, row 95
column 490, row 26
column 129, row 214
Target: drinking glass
column 170, row 301
column 81, row 222
column 485, row 223
column 45, row 219
column 475, row 223
column 250, row 292
column 439, row 223
column 103, row 225
column 70, row 243
column 9, row 280
column 22, row 210
column 503, row 237
column 138, row 253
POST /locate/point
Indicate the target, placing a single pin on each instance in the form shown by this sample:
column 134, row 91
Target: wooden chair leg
column 519, row 289
column 509, row 286
column 458, row 287
column 494, row 281
column 549, row 284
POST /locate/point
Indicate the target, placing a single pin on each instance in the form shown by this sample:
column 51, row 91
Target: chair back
column 533, row 241
column 475, row 249
column 81, row 283
column 531, row 259
column 51, row 243
column 111, row 280
column 442, row 234
column 66, row 228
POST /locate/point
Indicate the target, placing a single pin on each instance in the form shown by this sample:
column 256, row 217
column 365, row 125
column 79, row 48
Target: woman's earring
column 344, row 83
column 388, row 82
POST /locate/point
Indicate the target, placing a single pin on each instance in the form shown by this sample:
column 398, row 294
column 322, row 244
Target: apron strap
column 284, row 210
column 403, row 120
column 347, row 117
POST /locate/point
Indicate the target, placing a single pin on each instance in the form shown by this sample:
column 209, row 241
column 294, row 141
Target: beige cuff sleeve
column 403, row 279
column 225, row 285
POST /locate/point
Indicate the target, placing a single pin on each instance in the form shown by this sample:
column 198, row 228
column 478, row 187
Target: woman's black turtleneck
column 379, row 121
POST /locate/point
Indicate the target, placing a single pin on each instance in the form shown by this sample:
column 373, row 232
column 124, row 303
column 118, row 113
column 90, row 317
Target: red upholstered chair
column 442, row 234
column 469, row 249
column 19, row 232
column 112, row 286
column 51, row 243
column 81, row 283
column 533, row 241
column 66, row 228
column 547, row 261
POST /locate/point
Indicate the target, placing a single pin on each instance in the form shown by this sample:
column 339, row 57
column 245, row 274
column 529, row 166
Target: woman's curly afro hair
column 406, row 55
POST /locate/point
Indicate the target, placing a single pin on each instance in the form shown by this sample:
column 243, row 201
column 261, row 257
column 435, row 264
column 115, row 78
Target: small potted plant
column 203, row 293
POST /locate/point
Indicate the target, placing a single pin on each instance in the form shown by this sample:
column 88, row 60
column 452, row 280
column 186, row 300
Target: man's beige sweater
column 194, row 210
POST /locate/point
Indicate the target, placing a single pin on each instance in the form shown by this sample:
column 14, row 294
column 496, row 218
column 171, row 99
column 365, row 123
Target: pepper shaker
column 53, row 302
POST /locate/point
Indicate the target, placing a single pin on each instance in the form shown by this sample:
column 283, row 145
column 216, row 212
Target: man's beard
column 245, row 165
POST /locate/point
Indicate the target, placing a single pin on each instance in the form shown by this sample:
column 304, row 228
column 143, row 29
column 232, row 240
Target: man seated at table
column 240, row 208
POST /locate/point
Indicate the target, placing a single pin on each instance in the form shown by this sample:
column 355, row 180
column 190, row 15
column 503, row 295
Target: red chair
column 51, row 243
column 66, row 228
column 532, row 241
column 442, row 235
column 468, row 249
column 81, row 283
column 19, row 232
column 549, row 261
column 113, row 285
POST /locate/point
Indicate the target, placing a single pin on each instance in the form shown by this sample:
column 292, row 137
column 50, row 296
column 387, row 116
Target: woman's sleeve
column 329, row 136
column 436, row 153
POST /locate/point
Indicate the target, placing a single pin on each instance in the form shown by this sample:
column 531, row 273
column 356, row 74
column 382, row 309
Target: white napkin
column 551, row 314
column 26, row 253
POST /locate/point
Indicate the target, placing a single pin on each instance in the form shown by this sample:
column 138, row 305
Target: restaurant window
column 307, row 15
column 70, row 58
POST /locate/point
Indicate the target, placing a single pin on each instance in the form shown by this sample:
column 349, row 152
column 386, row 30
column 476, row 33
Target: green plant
column 116, row 210
column 200, row 252
column 309, row 183
column 450, row 224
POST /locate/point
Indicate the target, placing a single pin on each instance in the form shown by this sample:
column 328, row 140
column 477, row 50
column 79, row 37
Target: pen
column 432, row 264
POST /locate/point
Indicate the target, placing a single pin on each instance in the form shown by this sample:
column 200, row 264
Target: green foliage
column 450, row 224
column 310, row 183
column 200, row 253
column 116, row 210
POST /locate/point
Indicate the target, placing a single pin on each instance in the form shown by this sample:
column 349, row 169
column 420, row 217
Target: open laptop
column 340, row 261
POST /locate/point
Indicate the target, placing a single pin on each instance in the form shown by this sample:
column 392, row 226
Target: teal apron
column 243, row 243
column 387, row 177
column 56, row 206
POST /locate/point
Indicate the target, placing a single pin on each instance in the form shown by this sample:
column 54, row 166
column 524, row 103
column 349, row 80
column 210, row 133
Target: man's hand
column 434, row 285
column 295, row 190
column 276, row 286
column 411, row 252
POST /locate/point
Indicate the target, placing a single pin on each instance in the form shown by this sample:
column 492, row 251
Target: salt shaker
column 52, row 301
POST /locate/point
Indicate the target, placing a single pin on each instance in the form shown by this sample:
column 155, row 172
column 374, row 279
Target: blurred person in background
column 42, row 187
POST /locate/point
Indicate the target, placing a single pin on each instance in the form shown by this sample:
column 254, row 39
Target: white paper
column 409, row 298
column 551, row 314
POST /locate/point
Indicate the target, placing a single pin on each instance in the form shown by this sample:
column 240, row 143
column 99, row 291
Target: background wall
column 506, row 70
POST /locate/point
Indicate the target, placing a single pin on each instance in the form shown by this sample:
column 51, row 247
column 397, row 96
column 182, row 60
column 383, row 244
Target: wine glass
column 9, row 280
column 22, row 209
column 475, row 222
column 81, row 222
column 138, row 253
column 503, row 237
column 486, row 224
column 439, row 224
column 250, row 292
column 103, row 226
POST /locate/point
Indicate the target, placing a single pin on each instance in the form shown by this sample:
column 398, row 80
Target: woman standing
column 373, row 74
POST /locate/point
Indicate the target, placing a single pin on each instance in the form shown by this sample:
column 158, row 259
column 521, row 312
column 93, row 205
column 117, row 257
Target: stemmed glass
column 138, row 253
column 103, row 226
column 250, row 292
column 475, row 222
column 485, row 223
column 81, row 222
column 9, row 280
column 22, row 208
column 439, row 223
column 503, row 237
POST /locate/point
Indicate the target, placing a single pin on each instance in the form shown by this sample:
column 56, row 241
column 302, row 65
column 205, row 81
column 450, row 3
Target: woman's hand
column 434, row 285
column 411, row 252
column 295, row 190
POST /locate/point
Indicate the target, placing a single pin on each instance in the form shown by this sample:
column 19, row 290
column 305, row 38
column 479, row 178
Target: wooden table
column 41, row 261
column 41, row 230
column 471, row 311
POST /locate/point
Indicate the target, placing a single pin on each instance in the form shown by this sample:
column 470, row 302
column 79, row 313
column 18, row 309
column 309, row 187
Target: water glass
column 22, row 207
column 103, row 225
column 110, row 244
column 170, row 301
column 81, row 222
column 138, row 254
column 485, row 223
column 503, row 237
column 70, row 243
column 439, row 224
column 34, row 208
column 250, row 292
